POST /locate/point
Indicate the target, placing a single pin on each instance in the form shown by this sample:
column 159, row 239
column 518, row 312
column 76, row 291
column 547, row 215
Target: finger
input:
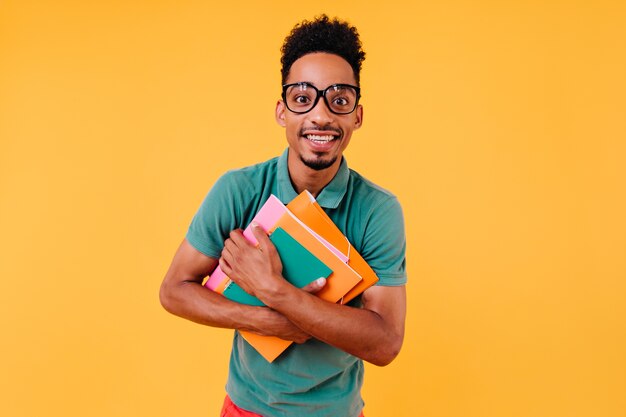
column 227, row 250
column 261, row 236
column 236, row 236
column 230, row 247
column 315, row 286
column 225, row 266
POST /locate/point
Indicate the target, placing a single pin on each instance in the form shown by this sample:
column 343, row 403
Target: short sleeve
column 219, row 213
column 384, row 247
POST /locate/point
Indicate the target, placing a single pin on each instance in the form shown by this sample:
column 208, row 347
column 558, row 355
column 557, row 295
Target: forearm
column 182, row 294
column 361, row 332
column 373, row 333
column 190, row 300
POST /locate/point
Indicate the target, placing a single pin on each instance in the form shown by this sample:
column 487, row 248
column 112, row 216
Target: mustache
column 321, row 129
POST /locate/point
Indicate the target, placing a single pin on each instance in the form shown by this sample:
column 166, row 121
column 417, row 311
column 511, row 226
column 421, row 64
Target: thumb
column 315, row 286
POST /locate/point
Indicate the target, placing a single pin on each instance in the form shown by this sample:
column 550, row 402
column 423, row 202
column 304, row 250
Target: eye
column 341, row 97
column 301, row 99
column 341, row 101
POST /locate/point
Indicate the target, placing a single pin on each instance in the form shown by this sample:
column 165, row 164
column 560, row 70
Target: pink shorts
column 229, row 409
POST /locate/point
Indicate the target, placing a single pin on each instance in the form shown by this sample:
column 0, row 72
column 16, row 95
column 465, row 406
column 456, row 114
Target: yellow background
column 499, row 125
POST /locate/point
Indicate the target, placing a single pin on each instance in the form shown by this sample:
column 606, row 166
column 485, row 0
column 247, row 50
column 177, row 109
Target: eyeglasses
column 303, row 97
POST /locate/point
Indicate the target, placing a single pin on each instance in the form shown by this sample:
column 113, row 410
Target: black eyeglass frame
column 321, row 93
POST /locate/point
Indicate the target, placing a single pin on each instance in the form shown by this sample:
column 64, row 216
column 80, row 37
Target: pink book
column 267, row 217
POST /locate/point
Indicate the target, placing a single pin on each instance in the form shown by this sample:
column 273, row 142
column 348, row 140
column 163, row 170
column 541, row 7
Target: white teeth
column 320, row 139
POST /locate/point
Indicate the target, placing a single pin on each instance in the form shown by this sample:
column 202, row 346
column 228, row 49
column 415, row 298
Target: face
column 318, row 138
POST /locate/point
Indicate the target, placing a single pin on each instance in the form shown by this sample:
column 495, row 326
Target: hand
column 275, row 324
column 257, row 270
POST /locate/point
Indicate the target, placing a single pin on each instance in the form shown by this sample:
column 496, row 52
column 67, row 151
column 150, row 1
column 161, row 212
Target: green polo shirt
column 312, row 379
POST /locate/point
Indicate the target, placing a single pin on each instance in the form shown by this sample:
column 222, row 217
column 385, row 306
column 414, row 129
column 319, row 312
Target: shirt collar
column 329, row 197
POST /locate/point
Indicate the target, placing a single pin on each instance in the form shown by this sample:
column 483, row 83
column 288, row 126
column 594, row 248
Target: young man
column 322, row 373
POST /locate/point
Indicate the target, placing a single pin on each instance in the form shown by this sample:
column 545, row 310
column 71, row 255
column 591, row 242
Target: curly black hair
column 322, row 35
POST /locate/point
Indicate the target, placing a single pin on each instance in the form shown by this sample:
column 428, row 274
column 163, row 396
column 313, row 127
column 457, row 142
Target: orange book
column 270, row 347
column 341, row 281
column 306, row 209
column 351, row 274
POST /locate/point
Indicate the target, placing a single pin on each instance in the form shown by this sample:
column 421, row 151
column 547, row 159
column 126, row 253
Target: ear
column 358, row 121
column 280, row 113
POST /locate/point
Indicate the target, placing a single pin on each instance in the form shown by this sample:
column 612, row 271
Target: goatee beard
column 319, row 164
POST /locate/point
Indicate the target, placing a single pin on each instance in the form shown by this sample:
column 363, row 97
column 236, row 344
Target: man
column 322, row 373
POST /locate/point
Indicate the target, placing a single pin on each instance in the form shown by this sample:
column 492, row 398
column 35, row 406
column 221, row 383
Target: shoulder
column 252, row 173
column 372, row 197
column 229, row 205
column 250, row 176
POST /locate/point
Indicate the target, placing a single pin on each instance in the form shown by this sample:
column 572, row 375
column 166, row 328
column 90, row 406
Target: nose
column 321, row 114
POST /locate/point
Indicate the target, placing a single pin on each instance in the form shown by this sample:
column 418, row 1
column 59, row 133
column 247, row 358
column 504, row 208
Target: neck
column 305, row 178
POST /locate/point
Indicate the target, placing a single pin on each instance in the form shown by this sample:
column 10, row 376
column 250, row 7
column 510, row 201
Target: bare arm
column 182, row 294
column 373, row 333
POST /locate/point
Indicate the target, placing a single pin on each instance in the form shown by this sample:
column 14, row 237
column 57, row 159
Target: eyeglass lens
column 341, row 99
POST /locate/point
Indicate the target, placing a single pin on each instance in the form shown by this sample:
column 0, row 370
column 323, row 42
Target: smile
column 321, row 138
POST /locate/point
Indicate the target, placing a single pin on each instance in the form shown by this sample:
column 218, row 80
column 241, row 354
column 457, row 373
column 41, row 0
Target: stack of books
column 310, row 246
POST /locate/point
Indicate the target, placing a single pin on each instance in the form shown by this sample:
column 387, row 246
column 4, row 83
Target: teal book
column 300, row 267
